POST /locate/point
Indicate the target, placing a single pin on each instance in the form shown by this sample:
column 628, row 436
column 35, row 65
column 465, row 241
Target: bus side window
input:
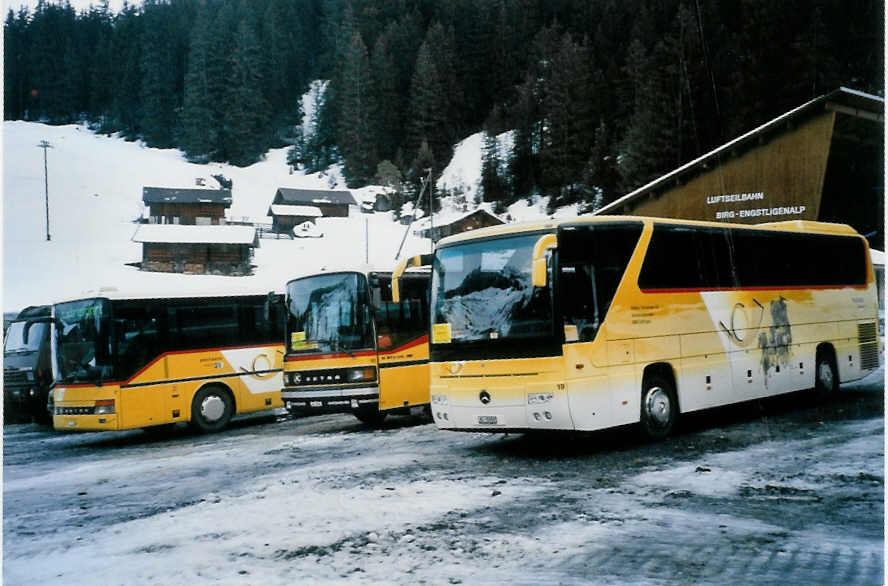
column 580, row 300
column 593, row 260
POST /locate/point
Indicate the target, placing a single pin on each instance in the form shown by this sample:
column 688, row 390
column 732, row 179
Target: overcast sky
column 78, row 5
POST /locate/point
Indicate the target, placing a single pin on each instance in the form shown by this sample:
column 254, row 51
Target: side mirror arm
column 420, row 260
column 539, row 275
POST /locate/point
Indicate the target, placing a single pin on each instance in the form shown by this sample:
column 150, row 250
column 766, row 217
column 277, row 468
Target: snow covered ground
column 778, row 491
column 95, row 193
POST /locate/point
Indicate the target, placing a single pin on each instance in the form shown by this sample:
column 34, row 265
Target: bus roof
column 554, row 224
column 115, row 294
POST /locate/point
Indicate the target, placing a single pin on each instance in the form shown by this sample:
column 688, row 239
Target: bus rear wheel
column 370, row 415
column 659, row 408
column 211, row 409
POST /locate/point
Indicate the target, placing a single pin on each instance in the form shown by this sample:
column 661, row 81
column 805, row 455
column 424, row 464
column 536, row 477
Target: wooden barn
column 200, row 207
column 821, row 161
column 199, row 250
column 285, row 217
column 473, row 220
column 289, row 202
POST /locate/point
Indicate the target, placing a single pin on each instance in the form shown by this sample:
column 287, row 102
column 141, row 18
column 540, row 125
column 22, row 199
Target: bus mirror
column 26, row 334
column 270, row 300
column 539, row 267
column 539, row 272
column 420, row 260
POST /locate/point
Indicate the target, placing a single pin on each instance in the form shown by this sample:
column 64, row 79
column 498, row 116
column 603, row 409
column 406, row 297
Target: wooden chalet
column 285, row 217
column 200, row 207
column 200, row 250
column 473, row 220
column 290, row 206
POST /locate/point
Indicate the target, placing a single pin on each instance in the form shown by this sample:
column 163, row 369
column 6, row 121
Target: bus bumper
column 84, row 422
column 327, row 400
column 537, row 411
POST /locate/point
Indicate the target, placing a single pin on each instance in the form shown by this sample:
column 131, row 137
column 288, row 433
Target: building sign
column 729, row 212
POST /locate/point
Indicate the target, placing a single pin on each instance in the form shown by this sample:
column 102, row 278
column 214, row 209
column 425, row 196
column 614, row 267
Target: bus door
column 592, row 260
column 402, row 341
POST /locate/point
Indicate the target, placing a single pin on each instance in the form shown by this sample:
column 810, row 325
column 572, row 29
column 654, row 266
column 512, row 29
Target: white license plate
column 316, row 404
column 488, row 420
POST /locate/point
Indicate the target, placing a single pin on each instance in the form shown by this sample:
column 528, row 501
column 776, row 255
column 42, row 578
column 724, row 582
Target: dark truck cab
column 27, row 369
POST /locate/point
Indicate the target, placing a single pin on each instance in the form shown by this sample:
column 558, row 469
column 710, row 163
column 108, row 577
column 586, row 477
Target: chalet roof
column 451, row 218
column 182, row 234
column 279, row 209
column 169, row 195
column 285, row 195
column 843, row 100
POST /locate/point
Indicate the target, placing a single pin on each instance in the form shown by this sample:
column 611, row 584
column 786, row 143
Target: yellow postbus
column 123, row 362
column 596, row 322
column 351, row 349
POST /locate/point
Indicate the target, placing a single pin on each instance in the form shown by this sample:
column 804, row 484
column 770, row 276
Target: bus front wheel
column 211, row 409
column 659, row 408
column 826, row 380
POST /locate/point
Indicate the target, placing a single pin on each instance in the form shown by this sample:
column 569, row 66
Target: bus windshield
column 328, row 313
column 83, row 340
column 15, row 337
column 483, row 290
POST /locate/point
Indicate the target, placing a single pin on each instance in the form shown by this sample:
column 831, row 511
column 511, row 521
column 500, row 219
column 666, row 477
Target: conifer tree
column 353, row 138
column 245, row 132
column 429, row 121
column 158, row 68
column 200, row 133
column 386, row 102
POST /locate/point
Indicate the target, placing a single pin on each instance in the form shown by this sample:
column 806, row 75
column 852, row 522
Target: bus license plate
column 488, row 420
column 316, row 404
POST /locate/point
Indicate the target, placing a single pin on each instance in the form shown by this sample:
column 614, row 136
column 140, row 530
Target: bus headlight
column 539, row 398
column 439, row 399
column 104, row 407
column 367, row 373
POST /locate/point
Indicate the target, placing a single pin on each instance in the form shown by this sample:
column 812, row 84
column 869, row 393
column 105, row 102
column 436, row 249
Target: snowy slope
column 95, row 193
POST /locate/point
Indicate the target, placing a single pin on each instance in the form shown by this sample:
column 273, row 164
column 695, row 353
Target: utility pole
column 431, row 211
column 45, row 145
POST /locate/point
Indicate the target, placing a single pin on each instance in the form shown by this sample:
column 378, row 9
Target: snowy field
column 779, row 491
column 95, row 194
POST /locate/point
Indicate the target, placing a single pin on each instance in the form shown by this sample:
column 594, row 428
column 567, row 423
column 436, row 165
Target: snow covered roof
column 444, row 219
column 279, row 209
column 181, row 234
column 842, row 100
column 168, row 195
column 313, row 196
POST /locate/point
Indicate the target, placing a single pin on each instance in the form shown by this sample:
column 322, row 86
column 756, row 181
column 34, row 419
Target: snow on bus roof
column 190, row 290
column 182, row 234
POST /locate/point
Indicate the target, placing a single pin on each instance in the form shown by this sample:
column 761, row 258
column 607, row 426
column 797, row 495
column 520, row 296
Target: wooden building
column 330, row 203
column 285, row 217
column 203, row 250
column 201, row 207
column 821, row 161
column 473, row 220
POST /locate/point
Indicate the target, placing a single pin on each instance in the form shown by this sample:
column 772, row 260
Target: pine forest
column 579, row 100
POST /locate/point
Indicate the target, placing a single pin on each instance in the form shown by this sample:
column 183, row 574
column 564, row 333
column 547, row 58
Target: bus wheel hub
column 658, row 406
column 212, row 408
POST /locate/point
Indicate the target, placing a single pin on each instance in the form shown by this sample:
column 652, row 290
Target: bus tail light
column 361, row 374
column 104, row 407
